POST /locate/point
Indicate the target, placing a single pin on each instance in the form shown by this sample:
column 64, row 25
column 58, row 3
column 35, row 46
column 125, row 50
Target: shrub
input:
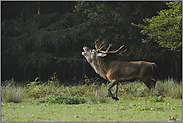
column 166, row 88
column 52, row 87
column 37, row 90
column 8, row 82
column 10, row 92
column 169, row 88
column 79, row 90
column 155, row 99
column 131, row 89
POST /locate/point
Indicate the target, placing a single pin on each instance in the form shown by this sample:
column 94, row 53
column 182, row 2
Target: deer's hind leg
column 149, row 83
column 116, row 90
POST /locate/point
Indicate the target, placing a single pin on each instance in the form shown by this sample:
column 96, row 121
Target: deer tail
column 154, row 65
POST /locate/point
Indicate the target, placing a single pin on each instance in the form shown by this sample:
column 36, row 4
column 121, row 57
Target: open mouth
column 84, row 48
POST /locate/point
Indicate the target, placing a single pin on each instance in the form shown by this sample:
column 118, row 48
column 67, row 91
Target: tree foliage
column 38, row 35
column 41, row 38
column 166, row 27
column 111, row 23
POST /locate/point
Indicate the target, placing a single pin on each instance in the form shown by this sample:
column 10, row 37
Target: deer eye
column 92, row 51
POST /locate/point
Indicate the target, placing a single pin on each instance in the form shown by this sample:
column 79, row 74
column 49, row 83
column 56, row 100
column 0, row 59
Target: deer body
column 119, row 71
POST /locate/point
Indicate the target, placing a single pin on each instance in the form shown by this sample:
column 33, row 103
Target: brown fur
column 119, row 71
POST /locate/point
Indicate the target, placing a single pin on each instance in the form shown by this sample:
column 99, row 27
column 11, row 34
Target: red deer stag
column 118, row 71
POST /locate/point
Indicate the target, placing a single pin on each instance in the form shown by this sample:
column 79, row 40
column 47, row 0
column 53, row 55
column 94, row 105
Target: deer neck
column 100, row 66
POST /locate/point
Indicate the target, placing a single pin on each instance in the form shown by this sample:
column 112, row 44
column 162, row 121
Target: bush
column 63, row 100
column 37, row 90
column 10, row 92
column 155, row 99
column 166, row 88
column 79, row 90
column 169, row 88
column 131, row 89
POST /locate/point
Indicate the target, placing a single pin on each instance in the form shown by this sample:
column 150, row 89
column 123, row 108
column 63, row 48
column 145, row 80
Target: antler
column 107, row 50
column 98, row 48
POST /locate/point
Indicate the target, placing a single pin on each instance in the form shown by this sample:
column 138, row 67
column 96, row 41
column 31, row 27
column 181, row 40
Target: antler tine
column 107, row 51
column 124, row 51
column 108, row 47
column 96, row 42
column 96, row 45
column 120, row 53
column 116, row 50
column 101, row 46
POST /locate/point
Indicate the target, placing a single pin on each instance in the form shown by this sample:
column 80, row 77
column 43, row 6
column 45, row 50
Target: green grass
column 51, row 102
column 128, row 110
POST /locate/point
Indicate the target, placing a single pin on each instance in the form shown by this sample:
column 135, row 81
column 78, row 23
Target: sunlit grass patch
column 114, row 111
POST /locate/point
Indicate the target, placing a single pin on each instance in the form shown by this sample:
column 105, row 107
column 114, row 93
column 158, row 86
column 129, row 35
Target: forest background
column 39, row 39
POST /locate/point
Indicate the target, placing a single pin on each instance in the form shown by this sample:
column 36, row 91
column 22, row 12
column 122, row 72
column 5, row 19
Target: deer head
column 93, row 54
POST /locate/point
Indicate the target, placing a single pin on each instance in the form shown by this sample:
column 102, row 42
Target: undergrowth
column 165, row 88
column 10, row 92
column 91, row 91
column 169, row 88
column 99, row 94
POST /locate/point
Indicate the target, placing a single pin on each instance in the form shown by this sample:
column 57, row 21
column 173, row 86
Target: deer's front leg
column 109, row 90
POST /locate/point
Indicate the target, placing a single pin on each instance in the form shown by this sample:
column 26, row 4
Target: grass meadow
column 90, row 102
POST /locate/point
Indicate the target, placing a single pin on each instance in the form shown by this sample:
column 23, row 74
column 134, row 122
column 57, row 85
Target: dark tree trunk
column 24, row 74
column 39, row 70
column 83, row 72
column 176, row 71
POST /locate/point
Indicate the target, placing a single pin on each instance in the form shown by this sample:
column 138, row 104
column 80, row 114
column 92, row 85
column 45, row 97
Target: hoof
column 115, row 98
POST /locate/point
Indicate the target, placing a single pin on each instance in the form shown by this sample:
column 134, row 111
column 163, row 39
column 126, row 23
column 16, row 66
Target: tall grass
column 165, row 88
column 37, row 90
column 99, row 94
column 169, row 88
column 133, row 89
column 94, row 92
column 11, row 93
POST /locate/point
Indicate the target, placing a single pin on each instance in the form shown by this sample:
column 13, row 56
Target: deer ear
column 101, row 54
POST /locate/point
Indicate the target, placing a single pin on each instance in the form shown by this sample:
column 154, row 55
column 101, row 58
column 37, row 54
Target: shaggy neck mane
column 101, row 66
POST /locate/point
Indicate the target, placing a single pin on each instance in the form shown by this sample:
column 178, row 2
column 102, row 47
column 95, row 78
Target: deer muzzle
column 84, row 48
